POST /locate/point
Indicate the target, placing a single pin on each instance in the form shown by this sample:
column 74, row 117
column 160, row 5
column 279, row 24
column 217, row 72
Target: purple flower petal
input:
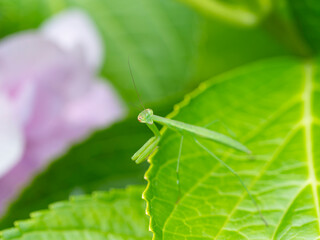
column 11, row 137
column 55, row 97
column 74, row 31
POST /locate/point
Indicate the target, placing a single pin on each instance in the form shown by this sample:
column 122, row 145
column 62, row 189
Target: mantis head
column 146, row 116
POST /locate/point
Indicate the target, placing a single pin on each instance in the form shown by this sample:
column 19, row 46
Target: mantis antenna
column 135, row 86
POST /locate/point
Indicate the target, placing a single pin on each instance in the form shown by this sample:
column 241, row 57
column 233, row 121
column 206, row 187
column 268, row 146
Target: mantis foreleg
column 146, row 149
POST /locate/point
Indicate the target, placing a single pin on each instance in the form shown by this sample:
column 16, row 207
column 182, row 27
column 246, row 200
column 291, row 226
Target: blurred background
column 68, row 106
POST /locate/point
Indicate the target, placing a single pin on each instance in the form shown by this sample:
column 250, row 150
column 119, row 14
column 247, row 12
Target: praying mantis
column 147, row 117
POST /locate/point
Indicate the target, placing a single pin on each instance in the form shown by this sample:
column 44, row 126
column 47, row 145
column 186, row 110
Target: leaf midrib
column 307, row 122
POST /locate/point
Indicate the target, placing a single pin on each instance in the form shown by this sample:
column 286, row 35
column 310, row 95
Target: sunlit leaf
column 307, row 18
column 273, row 107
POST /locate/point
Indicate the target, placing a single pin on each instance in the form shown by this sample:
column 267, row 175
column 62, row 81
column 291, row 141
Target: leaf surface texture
column 273, row 108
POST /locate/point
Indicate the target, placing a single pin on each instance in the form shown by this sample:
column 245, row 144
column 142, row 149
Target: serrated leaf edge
column 25, row 226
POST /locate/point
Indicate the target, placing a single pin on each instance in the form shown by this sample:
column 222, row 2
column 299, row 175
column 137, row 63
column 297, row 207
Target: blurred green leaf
column 118, row 214
column 224, row 47
column 273, row 107
column 168, row 44
column 245, row 13
column 307, row 18
column 159, row 36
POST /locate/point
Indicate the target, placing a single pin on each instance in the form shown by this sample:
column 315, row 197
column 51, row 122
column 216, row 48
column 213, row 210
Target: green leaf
column 273, row 107
column 246, row 13
column 118, row 214
column 224, row 47
column 159, row 36
column 307, row 18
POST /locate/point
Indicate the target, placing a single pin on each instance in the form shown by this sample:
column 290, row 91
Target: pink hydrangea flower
column 50, row 97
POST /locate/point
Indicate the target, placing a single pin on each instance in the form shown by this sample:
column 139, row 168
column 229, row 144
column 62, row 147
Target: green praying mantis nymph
column 147, row 117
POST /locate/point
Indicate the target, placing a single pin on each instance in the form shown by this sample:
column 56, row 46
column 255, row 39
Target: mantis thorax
column 146, row 116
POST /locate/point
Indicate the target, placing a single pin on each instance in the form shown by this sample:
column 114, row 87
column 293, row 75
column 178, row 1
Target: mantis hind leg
column 237, row 175
column 228, row 130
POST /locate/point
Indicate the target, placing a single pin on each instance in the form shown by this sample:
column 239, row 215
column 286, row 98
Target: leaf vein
column 307, row 122
column 288, row 207
column 289, row 136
